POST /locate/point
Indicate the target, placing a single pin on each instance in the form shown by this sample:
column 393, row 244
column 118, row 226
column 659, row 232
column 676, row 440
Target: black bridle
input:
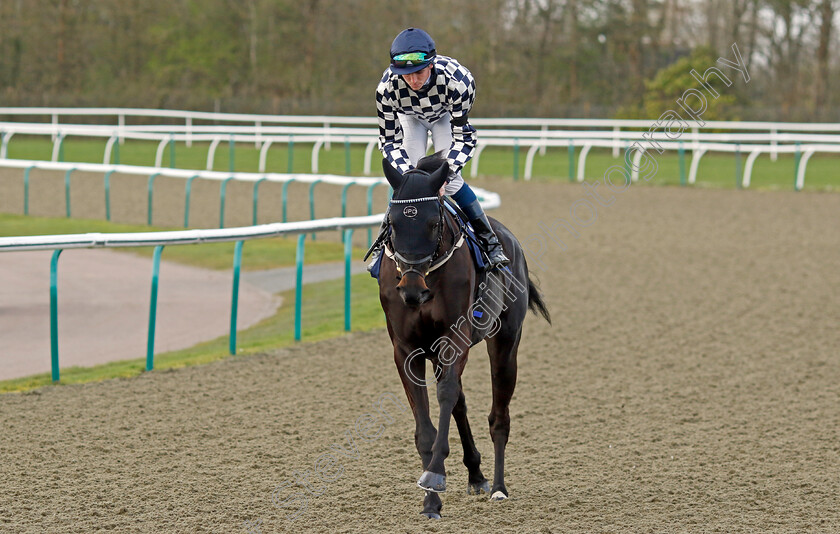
column 405, row 265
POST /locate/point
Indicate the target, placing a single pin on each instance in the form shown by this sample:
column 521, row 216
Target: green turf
column 257, row 254
column 322, row 317
column 715, row 170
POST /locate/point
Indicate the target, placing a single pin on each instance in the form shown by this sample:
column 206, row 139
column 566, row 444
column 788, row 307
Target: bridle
column 435, row 259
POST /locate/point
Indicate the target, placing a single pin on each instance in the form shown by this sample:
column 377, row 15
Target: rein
column 436, row 260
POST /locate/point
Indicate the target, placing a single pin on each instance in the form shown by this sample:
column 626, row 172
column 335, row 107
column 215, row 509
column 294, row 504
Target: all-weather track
column 689, row 383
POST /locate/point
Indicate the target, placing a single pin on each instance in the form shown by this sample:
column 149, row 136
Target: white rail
column 184, row 237
column 121, row 113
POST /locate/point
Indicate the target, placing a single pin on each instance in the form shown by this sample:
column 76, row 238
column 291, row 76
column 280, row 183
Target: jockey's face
column 416, row 80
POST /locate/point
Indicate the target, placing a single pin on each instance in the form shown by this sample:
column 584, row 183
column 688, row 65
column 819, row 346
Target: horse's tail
column 535, row 301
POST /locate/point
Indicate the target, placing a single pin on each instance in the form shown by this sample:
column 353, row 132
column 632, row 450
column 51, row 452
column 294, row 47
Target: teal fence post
column 116, row 152
column 187, row 192
column 346, row 155
column 256, row 195
column 737, row 166
column 681, row 153
column 370, row 209
column 231, row 153
column 150, row 344
column 54, row 314
column 26, row 189
column 344, row 198
column 312, row 202
column 67, row 190
column 348, row 250
column 571, row 160
column 234, row 301
column 171, row 151
column 222, row 195
column 107, row 181
column 61, row 147
column 291, row 159
column 797, row 156
column 285, row 197
column 515, row 159
column 151, row 198
column 298, row 285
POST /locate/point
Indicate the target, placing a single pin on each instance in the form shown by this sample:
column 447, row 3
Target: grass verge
column 322, row 318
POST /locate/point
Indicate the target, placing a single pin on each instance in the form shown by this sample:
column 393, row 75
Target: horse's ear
column 391, row 174
column 438, row 178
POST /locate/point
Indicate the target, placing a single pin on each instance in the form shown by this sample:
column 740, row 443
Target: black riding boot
column 485, row 234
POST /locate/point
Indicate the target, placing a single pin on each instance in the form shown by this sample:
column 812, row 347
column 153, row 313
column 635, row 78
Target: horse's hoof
column 498, row 496
column 477, row 488
column 430, row 515
column 432, row 482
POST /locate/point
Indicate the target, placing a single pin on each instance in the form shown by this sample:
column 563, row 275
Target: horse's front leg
column 412, row 370
column 448, row 392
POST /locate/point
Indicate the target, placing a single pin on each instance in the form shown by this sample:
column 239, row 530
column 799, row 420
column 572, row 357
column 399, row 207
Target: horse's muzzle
column 413, row 292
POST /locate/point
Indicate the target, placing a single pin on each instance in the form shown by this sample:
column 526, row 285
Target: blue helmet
column 412, row 50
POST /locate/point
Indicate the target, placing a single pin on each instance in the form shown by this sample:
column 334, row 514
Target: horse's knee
column 424, row 438
column 499, row 424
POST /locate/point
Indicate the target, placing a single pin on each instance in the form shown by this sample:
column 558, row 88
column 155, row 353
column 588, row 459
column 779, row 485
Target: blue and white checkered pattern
column 451, row 89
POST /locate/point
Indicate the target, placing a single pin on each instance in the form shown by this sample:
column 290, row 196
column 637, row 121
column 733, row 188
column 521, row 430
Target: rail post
column 222, row 195
column 571, row 160
column 149, row 203
column 344, row 198
column 171, row 151
column 681, row 153
column 234, row 301
column 298, row 284
column 107, row 181
column 150, row 343
column 796, row 159
column 231, row 153
column 256, row 196
column 285, row 197
column 54, row 314
column 348, row 251
column 187, row 192
column 347, row 155
column 312, row 202
column 737, row 166
column 26, row 189
column 67, row 190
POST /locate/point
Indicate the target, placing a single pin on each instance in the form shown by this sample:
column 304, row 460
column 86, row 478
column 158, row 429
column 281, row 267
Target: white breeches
column 415, row 142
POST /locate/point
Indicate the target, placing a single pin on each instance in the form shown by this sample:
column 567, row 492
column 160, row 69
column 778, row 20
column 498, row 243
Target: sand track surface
column 689, row 383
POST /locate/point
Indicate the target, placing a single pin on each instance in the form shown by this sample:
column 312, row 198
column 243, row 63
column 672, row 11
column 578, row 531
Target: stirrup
column 374, row 257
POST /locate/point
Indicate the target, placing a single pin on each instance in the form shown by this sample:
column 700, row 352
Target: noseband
column 413, row 265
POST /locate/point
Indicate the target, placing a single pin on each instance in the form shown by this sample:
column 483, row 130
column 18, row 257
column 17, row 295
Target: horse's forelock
column 416, row 184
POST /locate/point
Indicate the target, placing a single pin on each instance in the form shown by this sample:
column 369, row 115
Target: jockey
column 423, row 92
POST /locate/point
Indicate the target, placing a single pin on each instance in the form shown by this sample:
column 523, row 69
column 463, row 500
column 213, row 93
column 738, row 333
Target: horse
column 441, row 306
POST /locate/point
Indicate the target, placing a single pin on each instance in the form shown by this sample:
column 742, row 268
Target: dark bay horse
column 437, row 305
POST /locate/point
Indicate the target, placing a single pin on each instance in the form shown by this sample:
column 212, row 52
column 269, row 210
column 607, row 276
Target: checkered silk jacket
column 451, row 88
